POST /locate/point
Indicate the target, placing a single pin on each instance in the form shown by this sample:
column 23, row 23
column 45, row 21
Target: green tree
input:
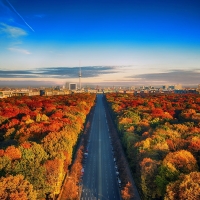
column 58, row 143
column 32, row 168
column 5, row 165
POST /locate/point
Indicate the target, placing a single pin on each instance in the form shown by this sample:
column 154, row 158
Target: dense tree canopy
column 16, row 188
column 186, row 188
column 38, row 135
column 161, row 136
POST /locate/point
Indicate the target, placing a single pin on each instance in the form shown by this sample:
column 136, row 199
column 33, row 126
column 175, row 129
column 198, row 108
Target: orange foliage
column 13, row 153
column 126, row 192
column 70, row 190
column 194, row 145
column 26, row 145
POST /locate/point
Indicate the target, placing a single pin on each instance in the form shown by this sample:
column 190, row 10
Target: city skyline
column 125, row 42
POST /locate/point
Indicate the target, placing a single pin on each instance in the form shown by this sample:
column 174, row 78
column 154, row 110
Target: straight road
column 99, row 179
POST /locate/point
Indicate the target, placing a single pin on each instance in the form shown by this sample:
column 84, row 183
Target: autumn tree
column 54, row 124
column 149, row 170
column 182, row 160
column 31, row 167
column 172, row 166
column 164, row 128
column 5, row 165
column 126, row 192
column 57, row 144
column 54, row 174
column 16, row 188
column 186, row 188
column 13, row 153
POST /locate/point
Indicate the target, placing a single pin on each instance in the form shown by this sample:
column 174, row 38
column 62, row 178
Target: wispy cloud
column 25, row 83
column 12, row 31
column 171, row 77
column 23, row 51
column 187, row 77
column 58, row 72
column 72, row 72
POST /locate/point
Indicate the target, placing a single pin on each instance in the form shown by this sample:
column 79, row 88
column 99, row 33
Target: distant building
column 186, row 91
column 198, row 89
column 165, row 87
column 171, row 87
column 174, row 87
column 72, row 86
column 5, row 94
column 42, row 92
column 178, row 87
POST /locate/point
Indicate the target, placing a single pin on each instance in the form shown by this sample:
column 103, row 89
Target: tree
column 16, row 188
column 186, row 188
column 31, row 166
column 57, row 143
column 162, row 123
column 174, row 164
column 54, row 174
column 5, row 165
column 126, row 192
column 187, row 113
column 183, row 161
column 13, row 153
column 149, row 170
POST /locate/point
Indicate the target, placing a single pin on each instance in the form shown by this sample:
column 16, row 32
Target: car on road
column 119, row 182
column 85, row 155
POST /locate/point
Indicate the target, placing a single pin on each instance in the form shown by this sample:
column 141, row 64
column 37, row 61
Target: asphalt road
column 100, row 179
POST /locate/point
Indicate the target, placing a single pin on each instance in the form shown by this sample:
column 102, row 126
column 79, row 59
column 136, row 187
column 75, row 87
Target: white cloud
column 23, row 51
column 12, row 31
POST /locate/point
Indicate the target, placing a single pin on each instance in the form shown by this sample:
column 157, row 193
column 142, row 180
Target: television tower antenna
column 79, row 76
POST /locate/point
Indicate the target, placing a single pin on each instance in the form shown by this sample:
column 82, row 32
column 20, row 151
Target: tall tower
column 79, row 77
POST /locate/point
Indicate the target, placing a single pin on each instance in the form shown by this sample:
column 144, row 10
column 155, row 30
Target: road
column 99, row 180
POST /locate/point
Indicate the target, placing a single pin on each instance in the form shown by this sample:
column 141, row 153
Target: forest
column 160, row 134
column 38, row 136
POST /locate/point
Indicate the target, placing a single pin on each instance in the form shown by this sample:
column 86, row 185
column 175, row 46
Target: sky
column 113, row 42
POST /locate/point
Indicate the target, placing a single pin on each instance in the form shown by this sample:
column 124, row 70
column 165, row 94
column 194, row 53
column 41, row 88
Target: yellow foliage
column 186, row 188
column 125, row 121
column 182, row 160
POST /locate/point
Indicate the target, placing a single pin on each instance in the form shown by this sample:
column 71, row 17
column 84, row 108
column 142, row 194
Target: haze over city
column 114, row 42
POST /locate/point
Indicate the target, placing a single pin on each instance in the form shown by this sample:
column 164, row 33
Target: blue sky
column 116, row 42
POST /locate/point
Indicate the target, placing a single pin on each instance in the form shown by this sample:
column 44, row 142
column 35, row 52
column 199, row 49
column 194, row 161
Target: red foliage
column 1, row 152
column 157, row 112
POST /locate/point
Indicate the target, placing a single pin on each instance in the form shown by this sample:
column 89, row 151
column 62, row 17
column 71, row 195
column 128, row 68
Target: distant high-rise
column 80, row 78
